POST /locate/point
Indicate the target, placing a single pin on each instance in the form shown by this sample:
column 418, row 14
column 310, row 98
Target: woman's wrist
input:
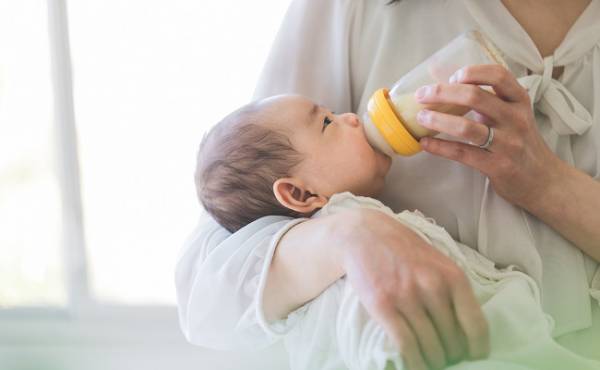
column 354, row 230
column 548, row 187
column 348, row 230
column 569, row 204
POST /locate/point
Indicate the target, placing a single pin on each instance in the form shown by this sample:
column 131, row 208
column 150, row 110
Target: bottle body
column 397, row 106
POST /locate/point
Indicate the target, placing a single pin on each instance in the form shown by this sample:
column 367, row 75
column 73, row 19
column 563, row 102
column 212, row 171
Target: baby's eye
column 326, row 122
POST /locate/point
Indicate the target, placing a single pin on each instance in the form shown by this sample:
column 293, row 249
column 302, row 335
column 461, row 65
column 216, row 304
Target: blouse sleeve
column 311, row 53
column 216, row 279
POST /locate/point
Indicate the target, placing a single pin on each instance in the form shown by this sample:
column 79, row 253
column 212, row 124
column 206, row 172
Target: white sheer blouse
column 338, row 52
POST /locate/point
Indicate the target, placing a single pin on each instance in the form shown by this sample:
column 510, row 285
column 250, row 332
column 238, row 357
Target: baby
column 286, row 155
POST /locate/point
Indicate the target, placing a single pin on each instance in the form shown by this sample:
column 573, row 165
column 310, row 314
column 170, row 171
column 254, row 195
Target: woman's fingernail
column 457, row 76
column 424, row 117
column 422, row 92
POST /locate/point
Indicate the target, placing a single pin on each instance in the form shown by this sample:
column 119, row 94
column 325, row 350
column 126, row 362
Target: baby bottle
column 390, row 121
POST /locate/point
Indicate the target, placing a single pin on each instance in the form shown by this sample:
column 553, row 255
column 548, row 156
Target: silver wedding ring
column 489, row 140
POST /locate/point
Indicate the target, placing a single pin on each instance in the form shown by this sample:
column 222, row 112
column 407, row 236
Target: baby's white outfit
column 334, row 331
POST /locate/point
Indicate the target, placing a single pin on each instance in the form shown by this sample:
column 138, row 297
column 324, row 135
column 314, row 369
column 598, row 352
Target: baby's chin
column 385, row 163
column 377, row 182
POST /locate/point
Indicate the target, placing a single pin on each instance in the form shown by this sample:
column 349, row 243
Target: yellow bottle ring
column 390, row 125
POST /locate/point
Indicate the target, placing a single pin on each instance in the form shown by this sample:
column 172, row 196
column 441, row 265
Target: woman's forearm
column 397, row 276
column 571, row 206
column 306, row 262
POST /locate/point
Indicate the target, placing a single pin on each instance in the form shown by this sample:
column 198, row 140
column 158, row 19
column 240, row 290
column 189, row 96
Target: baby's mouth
column 378, row 151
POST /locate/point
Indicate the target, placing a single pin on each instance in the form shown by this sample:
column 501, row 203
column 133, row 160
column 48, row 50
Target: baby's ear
column 292, row 194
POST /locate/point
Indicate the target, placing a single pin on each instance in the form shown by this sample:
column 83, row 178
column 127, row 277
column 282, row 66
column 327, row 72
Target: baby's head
column 284, row 155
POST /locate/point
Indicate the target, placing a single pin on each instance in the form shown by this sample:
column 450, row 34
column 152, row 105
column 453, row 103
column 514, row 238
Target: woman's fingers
column 441, row 311
column 518, row 161
column 471, row 319
column 391, row 269
column 470, row 96
column 503, row 82
column 427, row 336
column 452, row 125
column 466, row 154
column 404, row 339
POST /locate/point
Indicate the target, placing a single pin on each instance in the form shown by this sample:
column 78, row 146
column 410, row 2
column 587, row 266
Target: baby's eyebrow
column 313, row 112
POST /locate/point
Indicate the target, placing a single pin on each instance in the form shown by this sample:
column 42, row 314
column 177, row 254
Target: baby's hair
column 238, row 161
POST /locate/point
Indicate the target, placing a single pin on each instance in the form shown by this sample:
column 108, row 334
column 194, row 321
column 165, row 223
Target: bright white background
column 149, row 77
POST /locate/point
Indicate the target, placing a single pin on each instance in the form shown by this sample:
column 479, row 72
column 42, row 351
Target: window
column 149, row 77
column 31, row 267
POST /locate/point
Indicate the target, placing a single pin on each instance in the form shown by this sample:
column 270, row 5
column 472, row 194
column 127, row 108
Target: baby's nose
column 352, row 119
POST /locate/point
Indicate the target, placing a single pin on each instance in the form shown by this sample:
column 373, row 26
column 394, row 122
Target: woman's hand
column 518, row 162
column 422, row 299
